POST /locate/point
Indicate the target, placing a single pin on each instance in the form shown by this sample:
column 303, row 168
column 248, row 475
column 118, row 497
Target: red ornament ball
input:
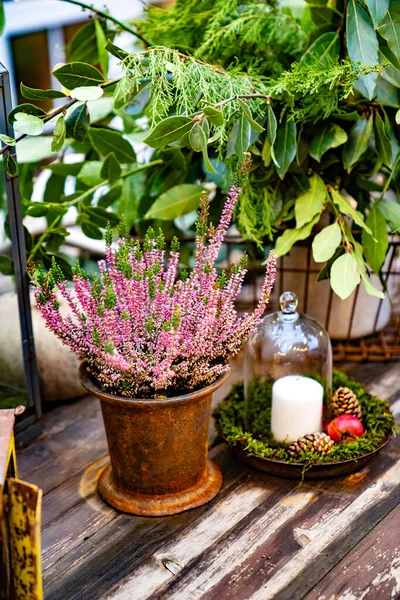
column 345, row 428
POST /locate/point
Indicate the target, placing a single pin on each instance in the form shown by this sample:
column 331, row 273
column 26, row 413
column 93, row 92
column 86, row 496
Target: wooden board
column 261, row 537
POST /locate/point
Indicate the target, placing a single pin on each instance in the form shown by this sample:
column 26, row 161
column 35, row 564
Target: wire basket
column 362, row 327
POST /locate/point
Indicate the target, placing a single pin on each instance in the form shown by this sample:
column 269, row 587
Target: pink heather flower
column 142, row 331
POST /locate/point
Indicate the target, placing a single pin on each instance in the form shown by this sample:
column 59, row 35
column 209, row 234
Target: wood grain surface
column 261, row 538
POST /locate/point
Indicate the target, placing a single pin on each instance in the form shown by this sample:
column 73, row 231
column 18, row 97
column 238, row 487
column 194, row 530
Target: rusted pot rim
column 89, row 383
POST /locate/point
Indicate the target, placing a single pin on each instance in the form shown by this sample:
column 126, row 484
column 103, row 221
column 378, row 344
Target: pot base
column 159, row 505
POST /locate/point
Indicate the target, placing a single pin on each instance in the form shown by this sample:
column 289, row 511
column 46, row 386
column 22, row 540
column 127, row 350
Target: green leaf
column 382, row 141
column 10, row 166
column 346, row 208
column 83, row 46
column 78, row 74
column 375, row 245
column 125, row 90
column 108, row 140
column 242, row 142
column 54, row 241
column 271, row 125
column 268, row 148
column 386, row 93
column 291, row 236
column 285, row 147
column 377, row 10
column 358, row 142
column 78, row 122
column 28, row 109
column 247, row 113
column 322, row 142
column 64, row 169
column 91, row 230
column 91, row 173
column 28, row 124
column 101, row 42
column 116, row 51
column 7, row 140
column 173, row 158
column 311, row 202
column 339, row 136
column 111, row 168
column 345, row 275
column 38, row 209
column 100, row 216
column 59, row 134
column 36, row 94
column 194, row 137
column 390, row 28
column 175, row 202
column 215, row 116
column 203, row 138
column 2, row 18
column 110, row 197
column 169, row 130
column 391, row 211
column 54, row 189
column 388, row 55
column 325, row 242
column 326, row 47
column 362, row 42
column 370, row 288
column 85, row 93
column 6, row 265
column 266, row 152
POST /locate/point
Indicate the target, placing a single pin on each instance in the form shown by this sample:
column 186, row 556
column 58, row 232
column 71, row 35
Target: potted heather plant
column 154, row 347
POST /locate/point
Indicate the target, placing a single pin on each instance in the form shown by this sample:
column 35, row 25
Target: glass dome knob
column 288, row 303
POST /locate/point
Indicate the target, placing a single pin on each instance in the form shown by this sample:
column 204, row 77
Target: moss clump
column 229, row 415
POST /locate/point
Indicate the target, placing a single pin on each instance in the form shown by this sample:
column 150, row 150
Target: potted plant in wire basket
column 155, row 346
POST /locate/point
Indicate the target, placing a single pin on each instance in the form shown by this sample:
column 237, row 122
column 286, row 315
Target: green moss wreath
column 377, row 419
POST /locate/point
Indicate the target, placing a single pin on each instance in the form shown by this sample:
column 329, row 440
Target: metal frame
column 28, row 426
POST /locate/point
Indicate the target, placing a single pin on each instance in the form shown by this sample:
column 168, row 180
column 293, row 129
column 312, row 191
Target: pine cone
column 345, row 402
column 320, row 443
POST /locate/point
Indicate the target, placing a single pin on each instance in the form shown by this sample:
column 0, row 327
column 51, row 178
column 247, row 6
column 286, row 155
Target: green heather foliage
column 229, row 415
column 310, row 88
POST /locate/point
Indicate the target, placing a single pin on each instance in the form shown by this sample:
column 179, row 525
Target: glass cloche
column 292, row 353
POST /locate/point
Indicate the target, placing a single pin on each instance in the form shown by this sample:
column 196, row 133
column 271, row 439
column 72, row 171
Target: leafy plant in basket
column 147, row 337
column 311, row 91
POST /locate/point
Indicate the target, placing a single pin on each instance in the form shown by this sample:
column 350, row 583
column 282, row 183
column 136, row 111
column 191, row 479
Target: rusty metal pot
column 158, row 451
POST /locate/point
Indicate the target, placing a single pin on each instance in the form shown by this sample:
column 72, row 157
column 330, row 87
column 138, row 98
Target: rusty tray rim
column 297, row 468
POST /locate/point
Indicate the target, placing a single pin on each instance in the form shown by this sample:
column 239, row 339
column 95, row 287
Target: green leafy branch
column 107, row 15
column 29, row 109
column 78, row 200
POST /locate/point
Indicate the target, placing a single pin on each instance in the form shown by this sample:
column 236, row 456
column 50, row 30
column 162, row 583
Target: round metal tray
column 327, row 470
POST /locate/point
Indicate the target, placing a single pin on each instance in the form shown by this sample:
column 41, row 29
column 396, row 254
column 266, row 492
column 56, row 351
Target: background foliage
column 311, row 91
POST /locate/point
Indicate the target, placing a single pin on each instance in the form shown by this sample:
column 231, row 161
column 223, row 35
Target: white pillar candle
column 296, row 407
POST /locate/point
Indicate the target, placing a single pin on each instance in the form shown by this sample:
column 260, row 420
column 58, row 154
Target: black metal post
column 28, row 426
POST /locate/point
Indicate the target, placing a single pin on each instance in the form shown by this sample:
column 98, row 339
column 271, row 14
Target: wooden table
column 260, row 538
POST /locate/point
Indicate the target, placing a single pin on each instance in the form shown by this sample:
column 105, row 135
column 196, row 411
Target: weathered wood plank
column 252, row 523
column 370, row 571
column 118, row 547
column 55, row 421
column 252, row 562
